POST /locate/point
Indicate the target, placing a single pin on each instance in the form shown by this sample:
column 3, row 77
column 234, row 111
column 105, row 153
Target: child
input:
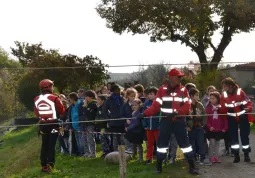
column 90, row 115
column 135, row 131
column 104, row 139
column 76, row 113
column 111, row 110
column 126, row 112
column 195, row 126
column 206, row 97
column 151, row 126
column 216, row 125
column 140, row 89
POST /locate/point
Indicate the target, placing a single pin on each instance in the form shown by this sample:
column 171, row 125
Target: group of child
column 88, row 106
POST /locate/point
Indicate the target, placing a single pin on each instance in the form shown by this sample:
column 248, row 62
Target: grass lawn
column 19, row 158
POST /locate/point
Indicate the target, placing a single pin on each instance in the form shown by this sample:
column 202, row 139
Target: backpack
column 46, row 107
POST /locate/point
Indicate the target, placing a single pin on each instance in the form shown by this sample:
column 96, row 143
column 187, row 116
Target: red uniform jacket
column 48, row 107
column 169, row 101
column 235, row 102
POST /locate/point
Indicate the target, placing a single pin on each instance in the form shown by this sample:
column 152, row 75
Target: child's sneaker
column 205, row 162
column 86, row 155
column 212, row 160
column 91, row 156
column 129, row 151
column 217, row 160
column 148, row 162
column 140, row 160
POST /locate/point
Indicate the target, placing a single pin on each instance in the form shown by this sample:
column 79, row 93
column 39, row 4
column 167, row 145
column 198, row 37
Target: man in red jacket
column 237, row 104
column 48, row 108
column 172, row 99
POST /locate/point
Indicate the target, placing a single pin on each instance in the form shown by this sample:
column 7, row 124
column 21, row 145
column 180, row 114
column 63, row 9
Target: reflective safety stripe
column 167, row 98
column 167, row 110
column 246, row 146
column 173, row 94
column 236, row 114
column 45, row 112
column 236, row 104
column 238, row 91
column 49, row 102
column 159, row 101
column 40, row 107
column 177, row 99
column 235, row 146
column 162, row 150
column 186, row 150
column 186, row 99
column 225, row 94
column 54, row 131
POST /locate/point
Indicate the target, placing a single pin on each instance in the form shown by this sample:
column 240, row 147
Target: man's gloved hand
column 141, row 116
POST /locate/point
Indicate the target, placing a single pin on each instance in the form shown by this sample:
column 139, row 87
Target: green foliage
column 192, row 22
column 8, row 85
column 28, row 89
column 20, row 158
column 203, row 80
column 90, row 72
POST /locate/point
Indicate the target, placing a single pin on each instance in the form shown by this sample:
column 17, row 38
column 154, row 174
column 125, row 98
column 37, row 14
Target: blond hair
column 131, row 91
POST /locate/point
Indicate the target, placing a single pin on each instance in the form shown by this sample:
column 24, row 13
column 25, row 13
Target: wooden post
column 122, row 159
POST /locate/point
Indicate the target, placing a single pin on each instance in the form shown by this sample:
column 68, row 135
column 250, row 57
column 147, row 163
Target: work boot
column 192, row 169
column 236, row 158
column 45, row 169
column 51, row 168
column 159, row 167
column 247, row 157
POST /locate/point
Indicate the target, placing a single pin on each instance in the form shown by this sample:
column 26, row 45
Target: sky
column 73, row 26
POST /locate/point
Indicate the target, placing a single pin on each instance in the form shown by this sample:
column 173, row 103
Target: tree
column 69, row 72
column 9, row 105
column 192, row 22
column 157, row 74
column 141, row 76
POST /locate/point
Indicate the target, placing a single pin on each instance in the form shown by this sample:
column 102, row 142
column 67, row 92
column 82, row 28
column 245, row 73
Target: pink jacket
column 218, row 124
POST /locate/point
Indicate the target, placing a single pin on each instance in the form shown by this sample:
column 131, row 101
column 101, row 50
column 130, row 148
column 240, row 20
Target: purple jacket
column 135, row 123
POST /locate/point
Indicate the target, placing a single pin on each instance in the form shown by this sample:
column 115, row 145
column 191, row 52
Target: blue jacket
column 151, row 123
column 111, row 110
column 76, row 113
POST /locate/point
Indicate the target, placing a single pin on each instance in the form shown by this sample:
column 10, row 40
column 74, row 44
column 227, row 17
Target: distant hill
column 118, row 76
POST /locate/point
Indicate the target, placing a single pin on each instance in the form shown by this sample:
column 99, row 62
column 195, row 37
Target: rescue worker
column 237, row 104
column 48, row 108
column 172, row 99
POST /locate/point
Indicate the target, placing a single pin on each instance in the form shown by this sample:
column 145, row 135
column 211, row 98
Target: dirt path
column 227, row 169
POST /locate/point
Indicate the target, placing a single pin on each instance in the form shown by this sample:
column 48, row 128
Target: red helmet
column 46, row 84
